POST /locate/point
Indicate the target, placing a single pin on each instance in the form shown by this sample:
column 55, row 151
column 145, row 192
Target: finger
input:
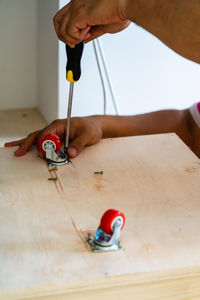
column 64, row 31
column 61, row 36
column 69, row 38
column 87, row 37
column 73, row 31
column 77, row 145
column 59, row 17
column 63, row 40
column 72, row 152
column 78, row 32
column 85, row 33
column 14, row 143
column 95, row 32
column 57, row 23
column 26, row 145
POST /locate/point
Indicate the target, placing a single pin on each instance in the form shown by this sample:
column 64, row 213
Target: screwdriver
column 73, row 73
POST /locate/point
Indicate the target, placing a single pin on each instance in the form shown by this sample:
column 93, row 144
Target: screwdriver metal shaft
column 71, row 90
column 73, row 73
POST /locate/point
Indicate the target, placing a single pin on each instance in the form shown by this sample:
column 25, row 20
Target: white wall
column 29, row 56
column 47, row 84
column 146, row 76
column 18, row 56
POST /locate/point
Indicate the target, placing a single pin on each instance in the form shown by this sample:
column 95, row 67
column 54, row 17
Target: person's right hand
column 88, row 19
column 84, row 132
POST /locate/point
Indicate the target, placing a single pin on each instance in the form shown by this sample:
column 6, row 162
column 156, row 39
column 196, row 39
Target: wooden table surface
column 18, row 123
column 154, row 180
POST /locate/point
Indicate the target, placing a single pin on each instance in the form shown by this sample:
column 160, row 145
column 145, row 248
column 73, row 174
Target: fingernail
column 72, row 152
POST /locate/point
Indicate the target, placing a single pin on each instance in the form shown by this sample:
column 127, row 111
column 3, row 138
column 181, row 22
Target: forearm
column 151, row 123
column 175, row 22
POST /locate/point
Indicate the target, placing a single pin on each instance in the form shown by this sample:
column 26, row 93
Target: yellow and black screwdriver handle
column 73, row 68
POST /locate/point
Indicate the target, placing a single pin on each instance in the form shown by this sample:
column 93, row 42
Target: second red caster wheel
column 109, row 218
column 107, row 235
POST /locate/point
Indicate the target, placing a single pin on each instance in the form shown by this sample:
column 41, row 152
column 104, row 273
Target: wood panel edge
column 185, row 281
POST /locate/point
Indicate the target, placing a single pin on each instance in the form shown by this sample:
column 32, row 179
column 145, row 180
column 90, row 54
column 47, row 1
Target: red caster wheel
column 109, row 218
column 50, row 141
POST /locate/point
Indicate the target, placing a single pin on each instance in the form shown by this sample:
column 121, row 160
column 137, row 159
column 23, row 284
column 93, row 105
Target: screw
column 98, row 173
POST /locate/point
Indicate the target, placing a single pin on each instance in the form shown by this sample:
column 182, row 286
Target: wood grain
column 154, row 180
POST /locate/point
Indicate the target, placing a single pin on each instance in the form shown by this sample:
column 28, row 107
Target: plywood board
column 18, row 123
column 154, row 180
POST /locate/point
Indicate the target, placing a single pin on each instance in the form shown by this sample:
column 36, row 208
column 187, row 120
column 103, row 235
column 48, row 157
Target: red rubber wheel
column 108, row 219
column 50, row 139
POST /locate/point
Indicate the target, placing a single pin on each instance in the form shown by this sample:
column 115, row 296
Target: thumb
column 77, row 145
column 95, row 32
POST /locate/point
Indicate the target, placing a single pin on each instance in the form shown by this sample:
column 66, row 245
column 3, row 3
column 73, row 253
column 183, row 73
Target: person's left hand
column 84, row 131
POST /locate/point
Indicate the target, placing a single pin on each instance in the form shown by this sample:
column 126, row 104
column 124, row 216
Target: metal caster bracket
column 56, row 159
column 103, row 242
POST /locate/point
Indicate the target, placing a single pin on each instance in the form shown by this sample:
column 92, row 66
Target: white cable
column 101, row 77
column 107, row 76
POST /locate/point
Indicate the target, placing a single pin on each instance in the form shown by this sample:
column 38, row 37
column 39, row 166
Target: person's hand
column 83, row 132
column 88, row 19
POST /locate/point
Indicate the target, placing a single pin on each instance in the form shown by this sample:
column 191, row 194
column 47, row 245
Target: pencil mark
column 78, row 231
column 60, row 184
column 55, row 179
column 191, row 169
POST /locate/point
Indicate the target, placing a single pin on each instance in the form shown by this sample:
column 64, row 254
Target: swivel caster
column 50, row 146
column 107, row 235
